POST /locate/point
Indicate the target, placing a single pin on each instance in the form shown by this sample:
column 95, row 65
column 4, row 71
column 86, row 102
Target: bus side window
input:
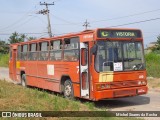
column 24, row 52
column 43, row 51
column 71, row 50
column 33, row 51
column 56, row 50
column 19, row 53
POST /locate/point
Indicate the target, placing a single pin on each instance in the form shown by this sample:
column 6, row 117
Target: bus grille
column 124, row 84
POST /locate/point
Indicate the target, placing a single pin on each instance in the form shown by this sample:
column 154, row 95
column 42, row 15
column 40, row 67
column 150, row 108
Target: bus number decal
column 50, row 69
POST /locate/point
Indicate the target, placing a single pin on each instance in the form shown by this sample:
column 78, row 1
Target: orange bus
column 94, row 64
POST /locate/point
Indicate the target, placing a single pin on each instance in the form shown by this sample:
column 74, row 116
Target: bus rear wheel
column 68, row 90
column 23, row 80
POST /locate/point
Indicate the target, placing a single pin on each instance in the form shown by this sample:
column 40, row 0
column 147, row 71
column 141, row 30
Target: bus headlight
column 108, row 86
column 142, row 83
column 102, row 86
column 139, row 82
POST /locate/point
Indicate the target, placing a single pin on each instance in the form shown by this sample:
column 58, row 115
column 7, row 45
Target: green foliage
column 33, row 100
column 31, row 38
column 90, row 105
column 16, row 38
column 4, row 47
column 153, row 64
column 157, row 46
column 4, row 59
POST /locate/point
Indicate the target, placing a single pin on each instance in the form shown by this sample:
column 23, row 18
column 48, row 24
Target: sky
column 69, row 16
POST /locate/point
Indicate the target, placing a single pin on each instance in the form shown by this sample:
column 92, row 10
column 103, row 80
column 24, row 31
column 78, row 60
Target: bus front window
column 119, row 56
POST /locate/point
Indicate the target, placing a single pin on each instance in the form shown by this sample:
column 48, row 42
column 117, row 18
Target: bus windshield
column 119, row 56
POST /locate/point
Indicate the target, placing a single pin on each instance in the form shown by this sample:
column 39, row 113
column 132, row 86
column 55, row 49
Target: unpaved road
column 4, row 74
column 149, row 102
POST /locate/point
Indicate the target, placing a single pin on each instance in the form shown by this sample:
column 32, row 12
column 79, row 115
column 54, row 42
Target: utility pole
column 86, row 24
column 46, row 12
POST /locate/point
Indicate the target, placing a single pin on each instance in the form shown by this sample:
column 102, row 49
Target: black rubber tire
column 23, row 81
column 68, row 89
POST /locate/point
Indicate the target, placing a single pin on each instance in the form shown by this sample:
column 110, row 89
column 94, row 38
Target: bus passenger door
column 84, row 77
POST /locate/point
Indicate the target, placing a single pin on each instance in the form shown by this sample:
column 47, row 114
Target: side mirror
column 94, row 49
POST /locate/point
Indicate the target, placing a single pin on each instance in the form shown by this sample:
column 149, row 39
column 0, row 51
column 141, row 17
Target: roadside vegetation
column 17, row 98
column 4, row 59
column 153, row 64
column 4, row 46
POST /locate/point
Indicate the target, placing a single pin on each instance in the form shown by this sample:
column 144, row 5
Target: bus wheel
column 68, row 89
column 23, row 81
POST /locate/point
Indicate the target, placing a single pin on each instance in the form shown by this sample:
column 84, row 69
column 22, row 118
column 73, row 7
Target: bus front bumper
column 123, row 92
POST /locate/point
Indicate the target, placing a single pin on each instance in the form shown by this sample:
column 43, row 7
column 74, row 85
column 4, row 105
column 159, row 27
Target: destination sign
column 119, row 34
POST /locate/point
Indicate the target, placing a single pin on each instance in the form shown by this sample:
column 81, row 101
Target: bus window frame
column 19, row 52
column 71, row 49
column 22, row 52
column 30, row 52
column 45, row 52
column 55, row 50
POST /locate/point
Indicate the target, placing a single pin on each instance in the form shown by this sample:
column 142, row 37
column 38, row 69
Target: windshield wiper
column 137, row 66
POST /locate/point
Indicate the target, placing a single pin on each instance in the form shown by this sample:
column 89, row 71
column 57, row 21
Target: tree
column 157, row 46
column 4, row 47
column 16, row 38
column 31, row 38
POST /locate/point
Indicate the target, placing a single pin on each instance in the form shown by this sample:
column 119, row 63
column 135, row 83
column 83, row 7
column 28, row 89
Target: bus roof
column 94, row 31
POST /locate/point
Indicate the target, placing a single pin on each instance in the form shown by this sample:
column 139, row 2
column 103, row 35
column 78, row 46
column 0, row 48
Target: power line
column 62, row 19
column 136, row 22
column 116, row 18
column 17, row 21
column 23, row 23
column 124, row 24
column 39, row 19
column 131, row 15
column 42, row 35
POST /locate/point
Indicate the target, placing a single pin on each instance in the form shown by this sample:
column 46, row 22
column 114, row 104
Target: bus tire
column 23, row 80
column 68, row 89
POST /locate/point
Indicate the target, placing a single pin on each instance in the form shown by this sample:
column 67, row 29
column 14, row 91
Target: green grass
column 16, row 98
column 4, row 59
column 153, row 64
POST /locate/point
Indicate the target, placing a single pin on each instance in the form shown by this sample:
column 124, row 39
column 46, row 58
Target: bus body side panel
column 41, row 74
column 73, row 71
column 31, row 73
column 12, row 63
column 23, row 67
column 56, row 70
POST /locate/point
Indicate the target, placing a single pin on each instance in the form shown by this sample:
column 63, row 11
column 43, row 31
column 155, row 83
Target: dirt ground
column 154, row 83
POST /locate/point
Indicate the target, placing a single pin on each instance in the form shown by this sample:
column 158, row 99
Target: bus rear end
column 119, row 65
